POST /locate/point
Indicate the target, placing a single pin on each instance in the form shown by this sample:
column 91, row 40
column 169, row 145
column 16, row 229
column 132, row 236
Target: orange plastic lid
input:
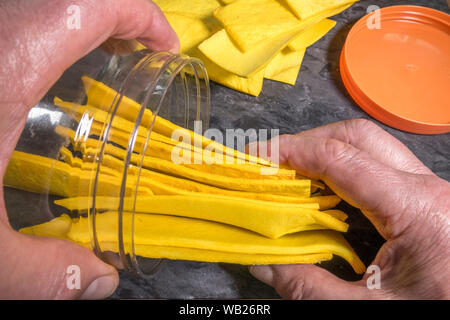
column 396, row 66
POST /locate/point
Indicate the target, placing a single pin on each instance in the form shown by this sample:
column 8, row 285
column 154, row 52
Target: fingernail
column 262, row 273
column 100, row 288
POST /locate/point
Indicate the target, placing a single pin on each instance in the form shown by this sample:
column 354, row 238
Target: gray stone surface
column 318, row 98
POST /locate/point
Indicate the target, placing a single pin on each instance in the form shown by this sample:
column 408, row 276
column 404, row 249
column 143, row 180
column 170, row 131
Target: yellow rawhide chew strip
column 267, row 218
column 250, row 85
column 29, row 172
column 201, row 9
column 121, row 137
column 297, row 187
column 171, row 168
column 180, row 253
column 160, row 230
column 288, row 76
column 284, row 60
column 101, row 96
column 201, row 234
column 99, row 116
column 311, row 35
column 174, row 185
column 338, row 214
column 32, row 173
column 242, row 18
column 165, row 184
column 67, row 157
column 120, row 128
column 191, row 31
column 324, row 202
column 159, row 151
column 326, row 8
column 221, row 50
column 57, row 228
column 243, row 171
column 97, row 128
column 60, row 227
column 165, row 151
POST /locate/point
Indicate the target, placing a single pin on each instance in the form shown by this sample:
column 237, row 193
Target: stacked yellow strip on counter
column 205, row 212
column 243, row 42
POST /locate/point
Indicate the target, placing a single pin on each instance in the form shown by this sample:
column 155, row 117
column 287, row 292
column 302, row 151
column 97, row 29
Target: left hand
column 36, row 47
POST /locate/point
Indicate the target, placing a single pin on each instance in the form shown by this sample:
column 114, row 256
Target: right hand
column 405, row 201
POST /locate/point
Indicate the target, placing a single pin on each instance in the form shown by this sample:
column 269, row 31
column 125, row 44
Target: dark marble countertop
column 318, row 98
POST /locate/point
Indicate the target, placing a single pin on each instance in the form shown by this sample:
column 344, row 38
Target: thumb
column 46, row 268
column 387, row 196
column 305, row 281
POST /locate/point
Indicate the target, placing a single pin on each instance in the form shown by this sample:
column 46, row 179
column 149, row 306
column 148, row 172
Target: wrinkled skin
column 405, row 201
column 360, row 162
column 35, row 48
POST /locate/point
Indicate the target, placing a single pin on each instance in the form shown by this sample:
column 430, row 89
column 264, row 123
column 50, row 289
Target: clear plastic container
column 129, row 95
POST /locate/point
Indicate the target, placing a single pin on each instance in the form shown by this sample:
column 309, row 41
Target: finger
column 44, row 268
column 390, row 198
column 308, row 282
column 159, row 36
column 43, row 39
column 380, row 145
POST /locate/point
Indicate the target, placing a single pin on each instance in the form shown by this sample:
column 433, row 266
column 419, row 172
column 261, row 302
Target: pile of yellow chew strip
column 205, row 212
column 243, row 42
